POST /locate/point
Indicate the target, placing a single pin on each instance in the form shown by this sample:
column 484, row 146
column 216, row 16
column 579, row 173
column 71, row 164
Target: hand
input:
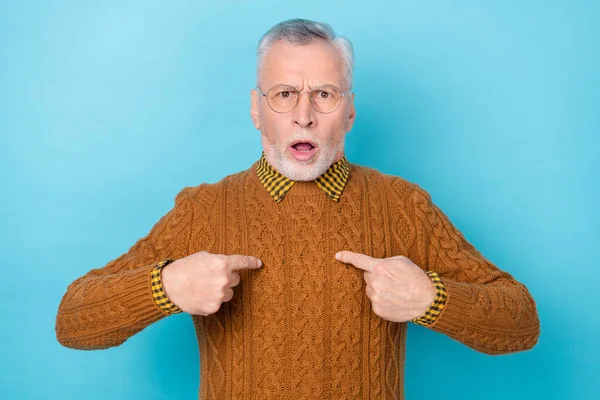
column 200, row 282
column 399, row 289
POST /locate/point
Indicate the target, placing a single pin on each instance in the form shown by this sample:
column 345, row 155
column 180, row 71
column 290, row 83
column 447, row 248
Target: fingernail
column 337, row 256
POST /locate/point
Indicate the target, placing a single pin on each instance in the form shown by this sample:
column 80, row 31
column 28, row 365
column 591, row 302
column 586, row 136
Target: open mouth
column 303, row 150
column 303, row 146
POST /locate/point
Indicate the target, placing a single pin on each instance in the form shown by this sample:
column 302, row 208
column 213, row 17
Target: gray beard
column 296, row 170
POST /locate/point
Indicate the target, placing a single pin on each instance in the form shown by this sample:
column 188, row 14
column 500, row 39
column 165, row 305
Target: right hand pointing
column 200, row 282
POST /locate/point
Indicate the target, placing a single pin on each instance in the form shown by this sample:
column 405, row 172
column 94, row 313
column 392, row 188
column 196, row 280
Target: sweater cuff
column 438, row 303
column 158, row 291
column 460, row 301
column 139, row 299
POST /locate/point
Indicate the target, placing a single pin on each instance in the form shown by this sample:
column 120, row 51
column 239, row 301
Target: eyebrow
column 320, row 86
column 324, row 85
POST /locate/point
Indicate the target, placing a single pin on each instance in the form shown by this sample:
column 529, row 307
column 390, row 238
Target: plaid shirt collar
column 332, row 181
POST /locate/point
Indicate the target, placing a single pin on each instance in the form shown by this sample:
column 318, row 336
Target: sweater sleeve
column 107, row 305
column 486, row 308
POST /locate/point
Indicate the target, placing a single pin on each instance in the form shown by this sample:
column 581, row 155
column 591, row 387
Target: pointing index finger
column 359, row 260
column 238, row 261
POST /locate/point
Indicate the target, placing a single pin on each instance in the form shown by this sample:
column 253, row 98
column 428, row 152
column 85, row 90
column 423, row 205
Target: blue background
column 108, row 109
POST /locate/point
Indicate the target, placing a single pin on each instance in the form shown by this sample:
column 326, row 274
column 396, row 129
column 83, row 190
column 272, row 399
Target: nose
column 304, row 113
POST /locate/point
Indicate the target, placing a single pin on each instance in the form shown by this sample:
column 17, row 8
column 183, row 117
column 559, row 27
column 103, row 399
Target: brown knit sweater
column 302, row 327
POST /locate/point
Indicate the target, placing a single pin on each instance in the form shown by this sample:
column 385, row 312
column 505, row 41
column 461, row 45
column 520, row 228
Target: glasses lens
column 326, row 99
column 282, row 98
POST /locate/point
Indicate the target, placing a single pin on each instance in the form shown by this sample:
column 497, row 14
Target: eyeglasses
column 283, row 98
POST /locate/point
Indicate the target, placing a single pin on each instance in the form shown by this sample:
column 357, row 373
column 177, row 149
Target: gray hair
column 302, row 32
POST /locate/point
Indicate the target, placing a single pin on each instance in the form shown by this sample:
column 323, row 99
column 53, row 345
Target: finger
column 361, row 261
column 367, row 276
column 369, row 292
column 228, row 295
column 234, row 278
column 237, row 261
column 395, row 258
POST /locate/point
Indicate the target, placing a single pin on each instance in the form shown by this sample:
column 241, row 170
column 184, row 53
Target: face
column 302, row 143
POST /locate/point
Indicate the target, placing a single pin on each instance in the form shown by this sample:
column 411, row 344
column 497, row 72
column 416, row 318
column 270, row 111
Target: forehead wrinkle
column 295, row 63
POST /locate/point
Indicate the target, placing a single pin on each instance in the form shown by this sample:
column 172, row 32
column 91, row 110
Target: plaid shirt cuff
column 158, row 292
column 438, row 303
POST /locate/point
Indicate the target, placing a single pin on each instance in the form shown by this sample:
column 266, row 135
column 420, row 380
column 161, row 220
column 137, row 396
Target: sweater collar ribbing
column 332, row 181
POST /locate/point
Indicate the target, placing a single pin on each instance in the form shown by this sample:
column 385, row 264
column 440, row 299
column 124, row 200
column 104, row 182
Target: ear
column 351, row 115
column 254, row 99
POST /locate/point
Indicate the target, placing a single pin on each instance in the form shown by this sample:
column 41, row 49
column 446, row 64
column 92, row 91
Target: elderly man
column 329, row 260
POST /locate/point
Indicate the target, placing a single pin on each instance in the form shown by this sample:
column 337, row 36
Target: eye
column 323, row 94
column 283, row 94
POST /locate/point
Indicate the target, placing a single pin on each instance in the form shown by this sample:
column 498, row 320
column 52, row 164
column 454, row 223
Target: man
column 329, row 260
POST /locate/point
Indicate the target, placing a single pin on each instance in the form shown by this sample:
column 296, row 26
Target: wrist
column 166, row 275
column 438, row 302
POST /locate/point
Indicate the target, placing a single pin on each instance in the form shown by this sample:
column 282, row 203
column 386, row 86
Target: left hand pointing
column 399, row 289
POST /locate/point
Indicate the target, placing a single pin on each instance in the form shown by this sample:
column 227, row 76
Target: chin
column 284, row 162
column 303, row 170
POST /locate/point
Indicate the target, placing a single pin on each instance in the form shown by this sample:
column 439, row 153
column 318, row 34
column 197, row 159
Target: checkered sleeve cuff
column 438, row 303
column 158, row 291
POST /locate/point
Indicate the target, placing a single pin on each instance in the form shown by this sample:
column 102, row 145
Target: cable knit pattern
column 302, row 327
column 486, row 308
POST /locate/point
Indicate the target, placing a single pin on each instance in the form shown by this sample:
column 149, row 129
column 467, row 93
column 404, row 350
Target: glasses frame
column 309, row 97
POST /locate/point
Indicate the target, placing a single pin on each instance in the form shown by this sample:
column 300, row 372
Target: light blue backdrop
column 108, row 109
